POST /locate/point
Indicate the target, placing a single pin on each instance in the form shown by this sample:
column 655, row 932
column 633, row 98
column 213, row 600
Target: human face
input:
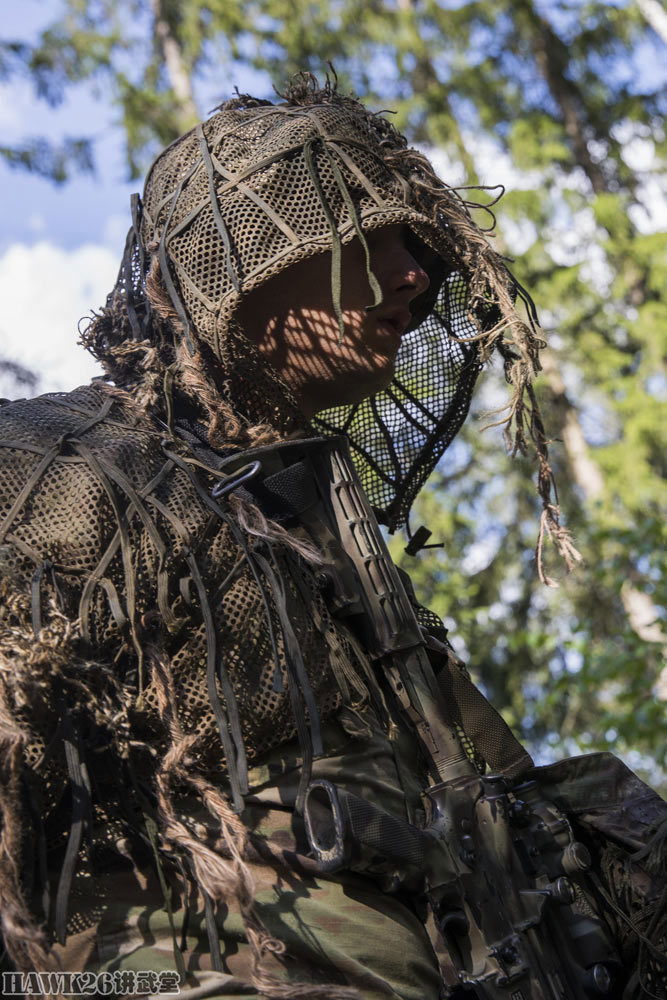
column 292, row 322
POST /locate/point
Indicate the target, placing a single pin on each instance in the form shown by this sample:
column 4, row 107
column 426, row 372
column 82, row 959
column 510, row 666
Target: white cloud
column 651, row 215
column 492, row 163
column 44, row 291
column 519, row 235
column 451, row 171
column 638, row 151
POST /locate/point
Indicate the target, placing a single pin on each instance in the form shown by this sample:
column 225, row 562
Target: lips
column 396, row 320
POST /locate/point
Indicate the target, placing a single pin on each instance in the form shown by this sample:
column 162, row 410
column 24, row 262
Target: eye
column 387, row 236
column 375, row 237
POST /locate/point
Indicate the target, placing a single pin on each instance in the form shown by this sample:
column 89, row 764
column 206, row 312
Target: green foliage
column 56, row 162
column 536, row 140
column 546, row 93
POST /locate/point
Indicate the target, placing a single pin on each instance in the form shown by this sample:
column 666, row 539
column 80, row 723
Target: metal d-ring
column 230, row 483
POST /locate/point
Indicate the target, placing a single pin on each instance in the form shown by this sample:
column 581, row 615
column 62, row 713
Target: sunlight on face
column 292, row 322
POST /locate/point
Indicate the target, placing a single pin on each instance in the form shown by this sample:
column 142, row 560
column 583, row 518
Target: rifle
column 502, row 874
column 499, row 864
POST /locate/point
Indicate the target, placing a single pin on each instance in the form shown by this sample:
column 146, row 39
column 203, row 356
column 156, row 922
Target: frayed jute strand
column 225, row 426
column 253, row 522
column 23, row 938
column 225, row 879
column 139, row 366
column 521, row 421
column 546, row 486
column 32, row 669
column 517, row 341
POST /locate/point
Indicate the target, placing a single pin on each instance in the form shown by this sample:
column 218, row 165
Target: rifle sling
column 482, row 724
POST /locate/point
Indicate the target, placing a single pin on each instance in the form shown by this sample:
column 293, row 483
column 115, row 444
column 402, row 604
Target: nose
column 414, row 277
column 404, row 273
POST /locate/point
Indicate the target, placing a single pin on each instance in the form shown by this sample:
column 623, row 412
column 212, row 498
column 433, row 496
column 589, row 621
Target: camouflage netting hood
column 259, row 187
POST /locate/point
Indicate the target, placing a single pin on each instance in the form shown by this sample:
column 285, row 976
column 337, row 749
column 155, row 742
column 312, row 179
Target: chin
column 353, row 386
column 382, row 377
column 370, row 387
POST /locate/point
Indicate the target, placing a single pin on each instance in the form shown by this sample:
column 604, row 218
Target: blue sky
column 88, row 206
column 59, row 246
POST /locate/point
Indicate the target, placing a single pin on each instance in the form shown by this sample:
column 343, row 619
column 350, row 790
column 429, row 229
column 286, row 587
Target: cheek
column 358, row 329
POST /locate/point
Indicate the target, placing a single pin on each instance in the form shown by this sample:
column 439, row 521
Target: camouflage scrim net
column 259, row 187
column 251, row 191
column 398, row 435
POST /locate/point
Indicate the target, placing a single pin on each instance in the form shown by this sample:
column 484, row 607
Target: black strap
column 152, row 831
column 482, row 724
column 81, row 810
column 310, row 737
column 212, row 933
column 285, row 494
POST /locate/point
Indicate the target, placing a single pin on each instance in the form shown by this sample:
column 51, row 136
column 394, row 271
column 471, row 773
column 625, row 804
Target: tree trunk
column 424, row 79
column 552, row 59
column 177, row 72
column 587, row 473
column 656, row 15
column 640, row 609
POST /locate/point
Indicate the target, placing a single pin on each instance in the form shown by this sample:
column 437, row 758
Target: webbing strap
column 287, row 493
column 336, row 242
column 354, row 215
column 49, row 456
column 336, row 246
column 227, row 721
column 217, row 215
column 81, row 809
column 483, row 725
column 212, row 934
column 152, row 831
column 176, row 300
column 310, row 738
column 46, row 566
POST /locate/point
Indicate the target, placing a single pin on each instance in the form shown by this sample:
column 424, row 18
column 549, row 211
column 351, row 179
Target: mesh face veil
column 259, row 187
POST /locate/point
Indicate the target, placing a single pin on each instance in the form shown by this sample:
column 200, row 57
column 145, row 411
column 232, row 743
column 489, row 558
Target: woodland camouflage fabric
column 339, row 930
column 135, row 741
column 624, row 823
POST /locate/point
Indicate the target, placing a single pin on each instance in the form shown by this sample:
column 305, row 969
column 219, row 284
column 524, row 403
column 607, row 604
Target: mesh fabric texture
column 114, row 512
column 172, row 634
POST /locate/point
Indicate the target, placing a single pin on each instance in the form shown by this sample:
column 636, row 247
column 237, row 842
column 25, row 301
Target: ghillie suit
column 175, row 667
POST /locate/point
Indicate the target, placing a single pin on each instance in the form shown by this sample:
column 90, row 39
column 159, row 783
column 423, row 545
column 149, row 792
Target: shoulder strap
column 482, row 724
